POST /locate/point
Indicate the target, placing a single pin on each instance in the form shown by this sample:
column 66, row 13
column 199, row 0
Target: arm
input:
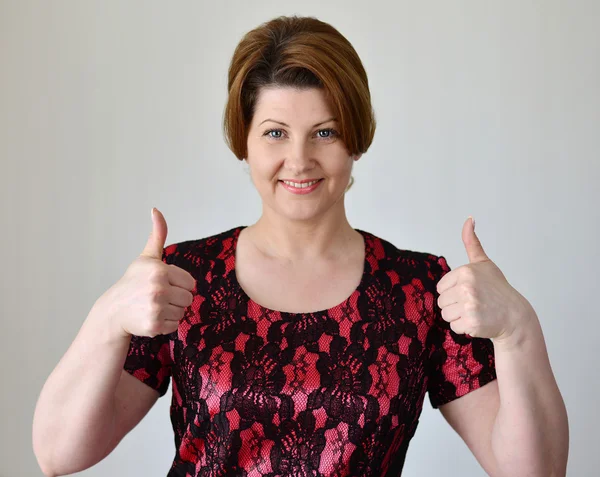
column 86, row 405
column 522, row 426
column 516, row 425
column 530, row 435
column 90, row 402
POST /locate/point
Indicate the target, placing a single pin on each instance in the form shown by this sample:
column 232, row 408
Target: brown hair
column 299, row 52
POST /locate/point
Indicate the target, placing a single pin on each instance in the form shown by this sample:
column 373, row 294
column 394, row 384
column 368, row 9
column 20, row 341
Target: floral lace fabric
column 258, row 392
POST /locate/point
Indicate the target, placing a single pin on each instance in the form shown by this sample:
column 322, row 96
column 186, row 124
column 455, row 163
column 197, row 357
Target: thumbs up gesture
column 477, row 300
column 151, row 297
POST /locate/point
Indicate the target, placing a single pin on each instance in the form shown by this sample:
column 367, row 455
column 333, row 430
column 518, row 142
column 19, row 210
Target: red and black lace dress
column 257, row 392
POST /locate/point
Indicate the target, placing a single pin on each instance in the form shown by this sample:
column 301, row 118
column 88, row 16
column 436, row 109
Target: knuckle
column 468, row 273
column 157, row 294
column 153, row 328
column 467, row 289
column 155, row 310
column 158, row 274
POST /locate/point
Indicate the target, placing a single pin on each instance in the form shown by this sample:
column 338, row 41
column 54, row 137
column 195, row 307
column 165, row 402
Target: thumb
column 158, row 236
column 473, row 246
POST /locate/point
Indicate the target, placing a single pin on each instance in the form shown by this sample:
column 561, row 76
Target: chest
column 357, row 364
column 301, row 288
column 243, row 365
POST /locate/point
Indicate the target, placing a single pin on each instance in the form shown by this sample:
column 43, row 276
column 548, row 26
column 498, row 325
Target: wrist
column 526, row 328
column 104, row 321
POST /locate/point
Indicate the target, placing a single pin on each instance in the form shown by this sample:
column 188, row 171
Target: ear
column 357, row 157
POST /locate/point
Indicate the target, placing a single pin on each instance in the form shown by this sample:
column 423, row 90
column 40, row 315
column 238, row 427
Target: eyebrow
column 287, row 125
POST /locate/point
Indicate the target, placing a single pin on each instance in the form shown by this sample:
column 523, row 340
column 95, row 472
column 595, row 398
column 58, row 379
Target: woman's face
column 292, row 137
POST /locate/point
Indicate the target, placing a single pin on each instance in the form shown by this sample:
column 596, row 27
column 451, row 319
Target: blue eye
column 326, row 130
column 332, row 133
column 273, row 130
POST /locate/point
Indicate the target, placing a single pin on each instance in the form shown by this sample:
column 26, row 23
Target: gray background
column 108, row 108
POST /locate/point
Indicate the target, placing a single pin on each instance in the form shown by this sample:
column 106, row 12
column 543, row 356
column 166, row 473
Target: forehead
column 289, row 103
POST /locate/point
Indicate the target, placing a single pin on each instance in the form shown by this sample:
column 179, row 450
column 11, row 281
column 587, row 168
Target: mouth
column 304, row 187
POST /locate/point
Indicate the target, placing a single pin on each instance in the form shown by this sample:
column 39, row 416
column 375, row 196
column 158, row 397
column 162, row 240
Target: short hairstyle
column 299, row 52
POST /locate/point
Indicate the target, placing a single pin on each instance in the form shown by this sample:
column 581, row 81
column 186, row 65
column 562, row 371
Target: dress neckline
column 343, row 304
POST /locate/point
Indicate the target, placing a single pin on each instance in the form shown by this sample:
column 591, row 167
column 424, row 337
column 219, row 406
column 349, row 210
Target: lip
column 303, row 181
column 305, row 190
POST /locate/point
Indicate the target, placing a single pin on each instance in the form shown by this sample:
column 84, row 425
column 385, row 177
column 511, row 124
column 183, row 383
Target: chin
column 299, row 212
column 301, row 216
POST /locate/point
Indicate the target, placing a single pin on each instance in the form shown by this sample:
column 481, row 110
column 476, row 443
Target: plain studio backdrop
column 108, row 108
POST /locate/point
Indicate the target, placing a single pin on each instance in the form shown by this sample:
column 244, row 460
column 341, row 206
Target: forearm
column 530, row 436
column 73, row 418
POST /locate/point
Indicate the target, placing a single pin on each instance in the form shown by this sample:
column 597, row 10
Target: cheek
column 339, row 167
column 265, row 170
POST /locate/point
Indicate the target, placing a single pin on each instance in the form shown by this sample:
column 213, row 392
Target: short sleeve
column 458, row 364
column 149, row 358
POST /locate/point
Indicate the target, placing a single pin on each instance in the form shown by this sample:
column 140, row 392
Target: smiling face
column 292, row 139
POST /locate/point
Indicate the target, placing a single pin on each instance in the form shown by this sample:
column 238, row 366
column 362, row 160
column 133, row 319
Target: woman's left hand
column 477, row 299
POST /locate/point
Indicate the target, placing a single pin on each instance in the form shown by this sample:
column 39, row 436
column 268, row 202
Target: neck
column 298, row 240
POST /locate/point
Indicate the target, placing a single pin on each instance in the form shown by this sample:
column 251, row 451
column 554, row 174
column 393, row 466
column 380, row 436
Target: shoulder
column 406, row 261
column 195, row 252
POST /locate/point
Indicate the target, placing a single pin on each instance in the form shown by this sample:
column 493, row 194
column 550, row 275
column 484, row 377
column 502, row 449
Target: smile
column 301, row 188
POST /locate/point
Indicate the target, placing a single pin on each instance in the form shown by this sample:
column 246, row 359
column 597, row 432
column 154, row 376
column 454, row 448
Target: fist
column 151, row 297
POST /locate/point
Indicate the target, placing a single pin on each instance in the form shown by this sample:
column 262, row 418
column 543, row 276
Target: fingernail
column 472, row 220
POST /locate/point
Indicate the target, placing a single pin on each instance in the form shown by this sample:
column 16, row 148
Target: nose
column 299, row 159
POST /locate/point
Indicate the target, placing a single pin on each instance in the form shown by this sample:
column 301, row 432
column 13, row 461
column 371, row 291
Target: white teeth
column 301, row 186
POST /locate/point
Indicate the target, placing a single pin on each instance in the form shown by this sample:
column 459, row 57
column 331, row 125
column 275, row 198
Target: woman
column 297, row 345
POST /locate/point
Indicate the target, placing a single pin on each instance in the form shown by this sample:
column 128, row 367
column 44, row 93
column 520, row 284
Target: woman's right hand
column 151, row 297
